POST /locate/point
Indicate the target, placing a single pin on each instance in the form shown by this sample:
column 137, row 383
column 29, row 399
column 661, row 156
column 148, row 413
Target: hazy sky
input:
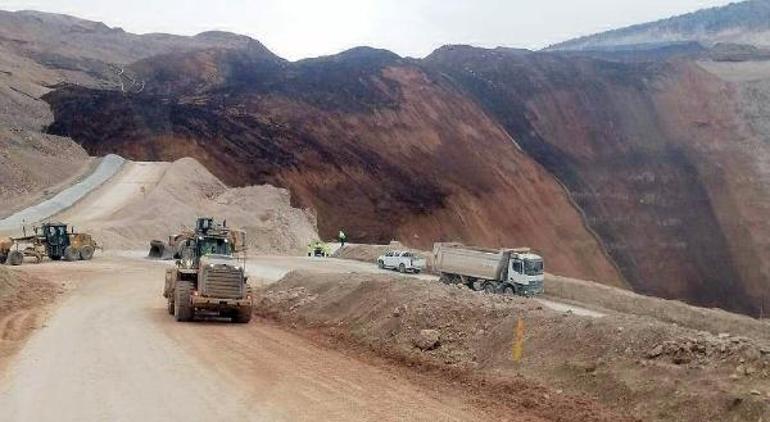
column 304, row 28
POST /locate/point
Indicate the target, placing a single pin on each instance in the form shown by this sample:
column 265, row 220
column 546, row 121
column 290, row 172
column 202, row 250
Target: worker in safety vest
column 342, row 238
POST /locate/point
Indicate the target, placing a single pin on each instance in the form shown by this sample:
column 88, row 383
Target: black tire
column 477, row 285
column 183, row 310
column 380, row 264
column 402, row 268
column 15, row 258
column 170, row 306
column 243, row 316
column 509, row 291
column 71, row 254
column 490, row 288
column 86, row 252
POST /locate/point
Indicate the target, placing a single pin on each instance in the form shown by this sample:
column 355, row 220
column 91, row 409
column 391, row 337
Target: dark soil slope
column 376, row 144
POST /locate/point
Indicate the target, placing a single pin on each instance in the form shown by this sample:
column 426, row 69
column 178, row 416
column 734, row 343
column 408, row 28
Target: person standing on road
column 342, row 238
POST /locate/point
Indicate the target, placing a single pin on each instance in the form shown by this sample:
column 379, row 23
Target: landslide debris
column 186, row 191
column 638, row 365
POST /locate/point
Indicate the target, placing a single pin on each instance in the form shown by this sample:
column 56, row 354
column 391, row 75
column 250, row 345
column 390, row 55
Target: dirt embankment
column 34, row 167
column 370, row 253
column 22, row 308
column 640, row 366
column 715, row 321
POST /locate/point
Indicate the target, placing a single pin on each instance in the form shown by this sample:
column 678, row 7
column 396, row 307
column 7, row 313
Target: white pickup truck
column 403, row 261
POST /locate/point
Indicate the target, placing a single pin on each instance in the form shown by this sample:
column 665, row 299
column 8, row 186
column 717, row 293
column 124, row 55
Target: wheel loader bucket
column 159, row 250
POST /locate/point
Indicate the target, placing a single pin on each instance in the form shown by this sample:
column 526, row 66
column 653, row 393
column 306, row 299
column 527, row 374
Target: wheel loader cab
column 213, row 246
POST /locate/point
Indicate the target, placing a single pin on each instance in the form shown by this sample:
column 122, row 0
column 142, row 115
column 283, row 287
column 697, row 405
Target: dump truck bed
column 488, row 264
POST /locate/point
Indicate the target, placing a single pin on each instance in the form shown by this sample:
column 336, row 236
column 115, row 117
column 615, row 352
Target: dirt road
column 111, row 352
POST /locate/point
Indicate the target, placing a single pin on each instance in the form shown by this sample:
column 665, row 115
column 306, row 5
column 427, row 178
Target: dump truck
column 209, row 277
column 507, row 271
column 51, row 240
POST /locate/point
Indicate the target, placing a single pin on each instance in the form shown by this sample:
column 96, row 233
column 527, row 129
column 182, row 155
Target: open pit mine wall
column 657, row 155
column 376, row 146
column 473, row 145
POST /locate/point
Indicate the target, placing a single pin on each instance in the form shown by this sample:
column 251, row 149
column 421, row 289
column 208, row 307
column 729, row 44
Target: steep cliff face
column 654, row 153
column 377, row 145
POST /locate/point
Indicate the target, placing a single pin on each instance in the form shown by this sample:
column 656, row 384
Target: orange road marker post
column 518, row 341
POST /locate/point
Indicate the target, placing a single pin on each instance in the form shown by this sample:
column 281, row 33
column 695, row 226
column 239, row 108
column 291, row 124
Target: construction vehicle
column 210, row 275
column 319, row 248
column 507, row 271
column 50, row 240
column 172, row 249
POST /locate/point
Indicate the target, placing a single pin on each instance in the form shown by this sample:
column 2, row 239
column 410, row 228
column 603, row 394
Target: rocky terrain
column 638, row 366
column 645, row 168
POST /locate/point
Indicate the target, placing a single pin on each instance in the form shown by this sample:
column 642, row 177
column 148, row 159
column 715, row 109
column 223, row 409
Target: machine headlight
column 211, row 265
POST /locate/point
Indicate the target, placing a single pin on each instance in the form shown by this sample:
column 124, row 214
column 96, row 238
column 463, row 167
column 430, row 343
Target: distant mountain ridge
column 745, row 22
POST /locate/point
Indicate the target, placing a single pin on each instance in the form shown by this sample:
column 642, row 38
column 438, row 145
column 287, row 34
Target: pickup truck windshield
column 533, row 267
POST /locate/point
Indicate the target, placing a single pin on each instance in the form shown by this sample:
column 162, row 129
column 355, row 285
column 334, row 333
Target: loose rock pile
column 706, row 348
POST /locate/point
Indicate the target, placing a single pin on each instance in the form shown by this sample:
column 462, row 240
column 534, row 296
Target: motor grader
column 210, row 275
column 51, row 240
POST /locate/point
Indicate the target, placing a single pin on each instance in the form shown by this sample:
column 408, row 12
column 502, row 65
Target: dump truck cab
column 209, row 277
column 525, row 270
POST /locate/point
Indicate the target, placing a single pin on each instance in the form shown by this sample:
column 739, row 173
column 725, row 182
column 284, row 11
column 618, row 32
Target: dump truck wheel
column 170, row 306
column 243, row 316
column 15, row 258
column 401, row 268
column 183, row 310
column 490, row 288
column 380, row 264
column 86, row 252
column 71, row 254
column 509, row 291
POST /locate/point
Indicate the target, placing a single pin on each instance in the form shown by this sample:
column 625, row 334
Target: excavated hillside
column 657, row 154
column 375, row 144
column 646, row 166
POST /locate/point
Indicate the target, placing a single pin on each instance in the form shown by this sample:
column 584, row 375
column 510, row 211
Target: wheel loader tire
column 15, row 258
column 71, row 254
column 86, row 252
column 243, row 316
column 183, row 310
column 402, row 268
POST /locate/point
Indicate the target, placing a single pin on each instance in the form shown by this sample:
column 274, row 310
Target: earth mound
column 187, row 191
column 638, row 365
